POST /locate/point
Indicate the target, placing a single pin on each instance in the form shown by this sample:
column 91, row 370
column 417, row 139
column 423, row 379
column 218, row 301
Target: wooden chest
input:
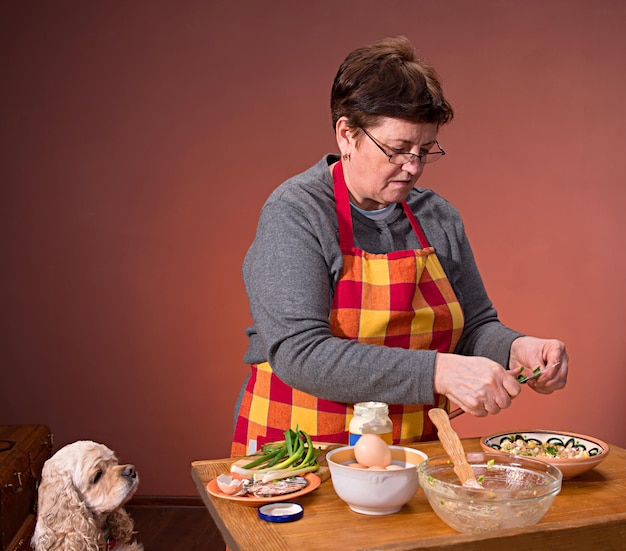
column 23, row 451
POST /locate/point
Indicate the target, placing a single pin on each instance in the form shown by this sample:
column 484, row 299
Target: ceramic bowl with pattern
column 573, row 453
column 516, row 491
column 375, row 492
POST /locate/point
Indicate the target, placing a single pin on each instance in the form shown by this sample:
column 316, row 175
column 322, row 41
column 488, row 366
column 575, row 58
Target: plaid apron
column 400, row 299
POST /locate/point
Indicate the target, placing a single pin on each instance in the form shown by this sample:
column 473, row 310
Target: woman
column 364, row 287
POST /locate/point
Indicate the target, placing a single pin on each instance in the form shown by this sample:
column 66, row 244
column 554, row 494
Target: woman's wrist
column 441, row 361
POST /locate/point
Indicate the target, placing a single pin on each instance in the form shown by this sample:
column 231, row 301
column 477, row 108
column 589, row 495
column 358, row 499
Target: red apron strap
column 421, row 236
column 344, row 215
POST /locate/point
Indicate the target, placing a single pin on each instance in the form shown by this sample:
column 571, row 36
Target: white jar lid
column 281, row 512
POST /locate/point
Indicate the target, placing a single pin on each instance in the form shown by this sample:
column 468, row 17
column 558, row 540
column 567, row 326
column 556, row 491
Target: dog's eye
column 97, row 477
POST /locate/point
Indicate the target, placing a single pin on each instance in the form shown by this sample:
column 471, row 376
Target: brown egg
column 371, row 450
column 356, row 466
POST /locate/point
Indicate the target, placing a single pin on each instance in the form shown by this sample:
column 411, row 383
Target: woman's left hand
column 532, row 352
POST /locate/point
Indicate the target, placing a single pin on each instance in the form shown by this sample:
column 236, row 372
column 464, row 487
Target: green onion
column 536, row 374
column 276, row 460
column 264, row 458
column 288, row 441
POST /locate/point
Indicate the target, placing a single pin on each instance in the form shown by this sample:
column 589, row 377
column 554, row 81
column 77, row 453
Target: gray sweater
column 291, row 271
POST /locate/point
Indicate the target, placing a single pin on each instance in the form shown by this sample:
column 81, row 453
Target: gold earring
column 345, row 157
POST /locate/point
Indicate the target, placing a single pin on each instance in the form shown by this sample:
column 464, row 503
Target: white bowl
column 375, row 492
column 571, row 467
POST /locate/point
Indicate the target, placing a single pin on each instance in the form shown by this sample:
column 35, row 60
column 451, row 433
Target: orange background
column 138, row 141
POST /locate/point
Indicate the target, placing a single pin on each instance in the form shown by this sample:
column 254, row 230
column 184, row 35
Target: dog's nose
column 129, row 471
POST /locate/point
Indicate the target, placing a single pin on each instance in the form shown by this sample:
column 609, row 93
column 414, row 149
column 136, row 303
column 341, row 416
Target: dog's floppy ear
column 63, row 520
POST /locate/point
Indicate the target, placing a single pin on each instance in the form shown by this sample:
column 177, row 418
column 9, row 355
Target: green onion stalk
column 295, row 456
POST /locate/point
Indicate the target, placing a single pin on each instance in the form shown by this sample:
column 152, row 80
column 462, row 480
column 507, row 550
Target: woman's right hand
column 478, row 385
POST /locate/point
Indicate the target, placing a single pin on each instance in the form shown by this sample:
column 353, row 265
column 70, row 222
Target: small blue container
column 281, row 512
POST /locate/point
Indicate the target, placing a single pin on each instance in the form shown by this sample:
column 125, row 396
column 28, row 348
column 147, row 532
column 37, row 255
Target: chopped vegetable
column 517, row 444
column 551, row 450
column 521, row 378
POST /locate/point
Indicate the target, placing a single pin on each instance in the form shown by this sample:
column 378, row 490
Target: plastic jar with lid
column 371, row 418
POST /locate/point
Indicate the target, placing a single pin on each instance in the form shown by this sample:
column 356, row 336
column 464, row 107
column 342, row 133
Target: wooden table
column 589, row 513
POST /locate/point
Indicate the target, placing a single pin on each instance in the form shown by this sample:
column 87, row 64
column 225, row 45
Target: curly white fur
column 81, row 497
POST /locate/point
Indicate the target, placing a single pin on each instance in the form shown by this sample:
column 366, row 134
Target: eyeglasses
column 403, row 158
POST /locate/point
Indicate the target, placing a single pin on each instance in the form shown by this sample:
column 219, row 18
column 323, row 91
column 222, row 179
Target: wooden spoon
column 452, row 444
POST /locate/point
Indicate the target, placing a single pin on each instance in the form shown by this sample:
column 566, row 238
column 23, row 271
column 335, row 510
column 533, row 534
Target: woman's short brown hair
column 387, row 79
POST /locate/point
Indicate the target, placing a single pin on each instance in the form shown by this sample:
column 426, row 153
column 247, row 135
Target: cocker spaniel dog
column 81, row 501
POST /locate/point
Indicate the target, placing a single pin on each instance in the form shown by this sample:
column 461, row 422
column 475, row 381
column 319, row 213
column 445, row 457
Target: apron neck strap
column 421, row 236
column 344, row 213
column 342, row 205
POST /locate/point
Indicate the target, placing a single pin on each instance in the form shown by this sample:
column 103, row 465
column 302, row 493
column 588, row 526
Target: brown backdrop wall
column 138, row 141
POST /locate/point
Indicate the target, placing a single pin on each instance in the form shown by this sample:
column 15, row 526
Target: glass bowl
column 516, row 491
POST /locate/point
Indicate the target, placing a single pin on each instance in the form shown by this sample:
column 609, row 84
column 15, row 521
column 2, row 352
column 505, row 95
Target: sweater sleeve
column 483, row 333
